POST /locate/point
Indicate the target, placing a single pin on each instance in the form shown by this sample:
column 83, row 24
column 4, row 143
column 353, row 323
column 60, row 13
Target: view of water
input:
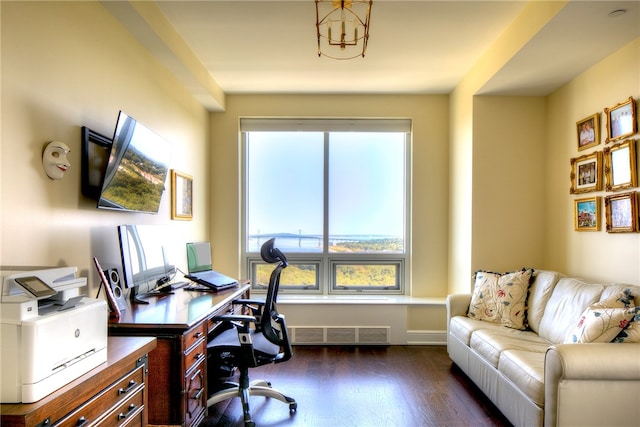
column 312, row 243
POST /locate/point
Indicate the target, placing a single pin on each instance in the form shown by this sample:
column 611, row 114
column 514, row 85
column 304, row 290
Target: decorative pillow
column 603, row 321
column 501, row 298
column 630, row 334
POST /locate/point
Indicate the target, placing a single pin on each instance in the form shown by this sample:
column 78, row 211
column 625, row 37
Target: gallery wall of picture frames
column 612, row 169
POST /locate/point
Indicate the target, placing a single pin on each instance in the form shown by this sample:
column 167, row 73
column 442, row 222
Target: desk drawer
column 116, row 394
column 128, row 413
column 192, row 336
column 195, row 355
column 196, row 395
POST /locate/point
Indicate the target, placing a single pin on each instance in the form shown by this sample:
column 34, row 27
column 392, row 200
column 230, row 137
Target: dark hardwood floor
column 368, row 387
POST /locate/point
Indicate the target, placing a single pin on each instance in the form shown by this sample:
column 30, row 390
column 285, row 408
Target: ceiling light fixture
column 343, row 24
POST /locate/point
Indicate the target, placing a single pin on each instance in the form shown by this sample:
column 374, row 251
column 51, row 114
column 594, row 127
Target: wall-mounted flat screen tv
column 137, row 169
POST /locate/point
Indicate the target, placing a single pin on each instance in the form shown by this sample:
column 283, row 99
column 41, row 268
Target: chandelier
column 343, row 27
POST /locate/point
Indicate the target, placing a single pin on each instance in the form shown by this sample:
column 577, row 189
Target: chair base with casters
column 254, row 388
column 248, row 341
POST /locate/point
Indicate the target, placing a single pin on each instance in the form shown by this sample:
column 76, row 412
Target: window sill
column 360, row 300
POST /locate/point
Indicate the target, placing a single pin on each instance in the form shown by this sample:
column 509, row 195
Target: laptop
column 199, row 263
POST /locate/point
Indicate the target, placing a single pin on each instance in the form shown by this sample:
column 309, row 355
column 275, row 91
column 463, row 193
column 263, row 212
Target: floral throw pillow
column 604, row 320
column 501, row 298
column 630, row 334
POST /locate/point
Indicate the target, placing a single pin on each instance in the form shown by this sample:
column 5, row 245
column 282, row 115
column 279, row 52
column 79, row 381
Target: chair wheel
column 293, row 407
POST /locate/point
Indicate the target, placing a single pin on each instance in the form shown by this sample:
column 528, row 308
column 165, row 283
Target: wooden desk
column 182, row 323
column 111, row 394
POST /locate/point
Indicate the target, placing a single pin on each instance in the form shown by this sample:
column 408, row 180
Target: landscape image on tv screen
column 137, row 168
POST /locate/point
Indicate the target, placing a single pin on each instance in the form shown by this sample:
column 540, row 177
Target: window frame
column 326, row 260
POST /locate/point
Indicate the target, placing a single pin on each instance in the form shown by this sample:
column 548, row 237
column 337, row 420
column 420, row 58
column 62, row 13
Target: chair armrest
column 248, row 301
column 234, row 318
column 457, row 305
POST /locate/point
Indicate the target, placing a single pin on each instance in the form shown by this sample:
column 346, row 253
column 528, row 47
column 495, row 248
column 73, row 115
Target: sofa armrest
column 585, row 384
column 457, row 305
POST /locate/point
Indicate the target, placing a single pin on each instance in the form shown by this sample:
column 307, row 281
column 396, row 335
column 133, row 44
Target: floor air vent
column 340, row 335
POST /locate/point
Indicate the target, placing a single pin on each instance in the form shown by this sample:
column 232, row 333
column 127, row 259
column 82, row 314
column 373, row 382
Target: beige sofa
column 534, row 376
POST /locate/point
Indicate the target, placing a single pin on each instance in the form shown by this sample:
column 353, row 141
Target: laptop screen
column 199, row 256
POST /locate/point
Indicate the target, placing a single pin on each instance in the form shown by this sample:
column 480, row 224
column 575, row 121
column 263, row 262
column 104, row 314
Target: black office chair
column 241, row 346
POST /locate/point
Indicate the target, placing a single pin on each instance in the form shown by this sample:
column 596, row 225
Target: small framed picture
column 620, row 166
column 586, row 215
column 622, row 213
column 586, row 173
column 181, row 196
column 588, row 131
column 621, row 120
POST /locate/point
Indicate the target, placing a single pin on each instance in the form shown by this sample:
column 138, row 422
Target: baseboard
column 426, row 337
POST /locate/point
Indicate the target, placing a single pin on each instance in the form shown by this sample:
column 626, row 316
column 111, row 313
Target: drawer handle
column 198, row 393
column 81, row 421
column 198, row 356
column 198, row 335
column 122, row 416
column 132, row 384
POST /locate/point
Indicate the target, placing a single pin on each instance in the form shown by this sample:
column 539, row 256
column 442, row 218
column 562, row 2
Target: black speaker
column 116, row 286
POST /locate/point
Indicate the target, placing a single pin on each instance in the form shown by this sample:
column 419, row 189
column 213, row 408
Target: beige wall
column 68, row 65
column 430, row 160
column 508, row 182
column 593, row 255
column 479, row 226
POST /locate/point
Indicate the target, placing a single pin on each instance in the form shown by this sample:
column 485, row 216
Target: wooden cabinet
column 181, row 323
column 112, row 394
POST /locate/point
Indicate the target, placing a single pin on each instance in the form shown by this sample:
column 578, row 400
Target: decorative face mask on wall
column 54, row 159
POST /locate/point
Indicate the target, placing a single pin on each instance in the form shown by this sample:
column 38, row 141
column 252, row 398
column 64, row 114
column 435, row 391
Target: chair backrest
column 273, row 324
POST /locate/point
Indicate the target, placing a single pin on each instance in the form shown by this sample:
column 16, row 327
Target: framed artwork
column 586, row 173
column 621, row 120
column 588, row 131
column 181, row 196
column 586, row 216
column 620, row 166
column 622, row 212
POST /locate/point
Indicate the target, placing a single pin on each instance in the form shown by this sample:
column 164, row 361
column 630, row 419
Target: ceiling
column 415, row 47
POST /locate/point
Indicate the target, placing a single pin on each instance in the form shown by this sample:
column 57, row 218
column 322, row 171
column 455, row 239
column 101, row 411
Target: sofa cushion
column 569, row 299
column 490, row 343
column 525, row 369
column 539, row 293
column 501, row 298
column 462, row 327
column 604, row 320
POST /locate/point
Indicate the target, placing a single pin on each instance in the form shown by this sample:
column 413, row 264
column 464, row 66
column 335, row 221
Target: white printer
column 50, row 335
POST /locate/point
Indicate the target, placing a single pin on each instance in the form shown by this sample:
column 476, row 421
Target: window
column 334, row 195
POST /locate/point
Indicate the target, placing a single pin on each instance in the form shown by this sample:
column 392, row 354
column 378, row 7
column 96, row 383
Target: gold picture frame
column 622, row 212
column 588, row 132
column 181, row 196
column 586, row 214
column 586, row 173
column 620, row 166
column 621, row 120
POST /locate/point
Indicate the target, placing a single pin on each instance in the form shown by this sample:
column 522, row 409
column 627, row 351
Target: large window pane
column 334, row 195
column 366, row 192
column 285, row 190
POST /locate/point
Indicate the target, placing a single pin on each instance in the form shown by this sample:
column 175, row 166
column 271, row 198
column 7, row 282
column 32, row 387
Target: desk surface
column 180, row 310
